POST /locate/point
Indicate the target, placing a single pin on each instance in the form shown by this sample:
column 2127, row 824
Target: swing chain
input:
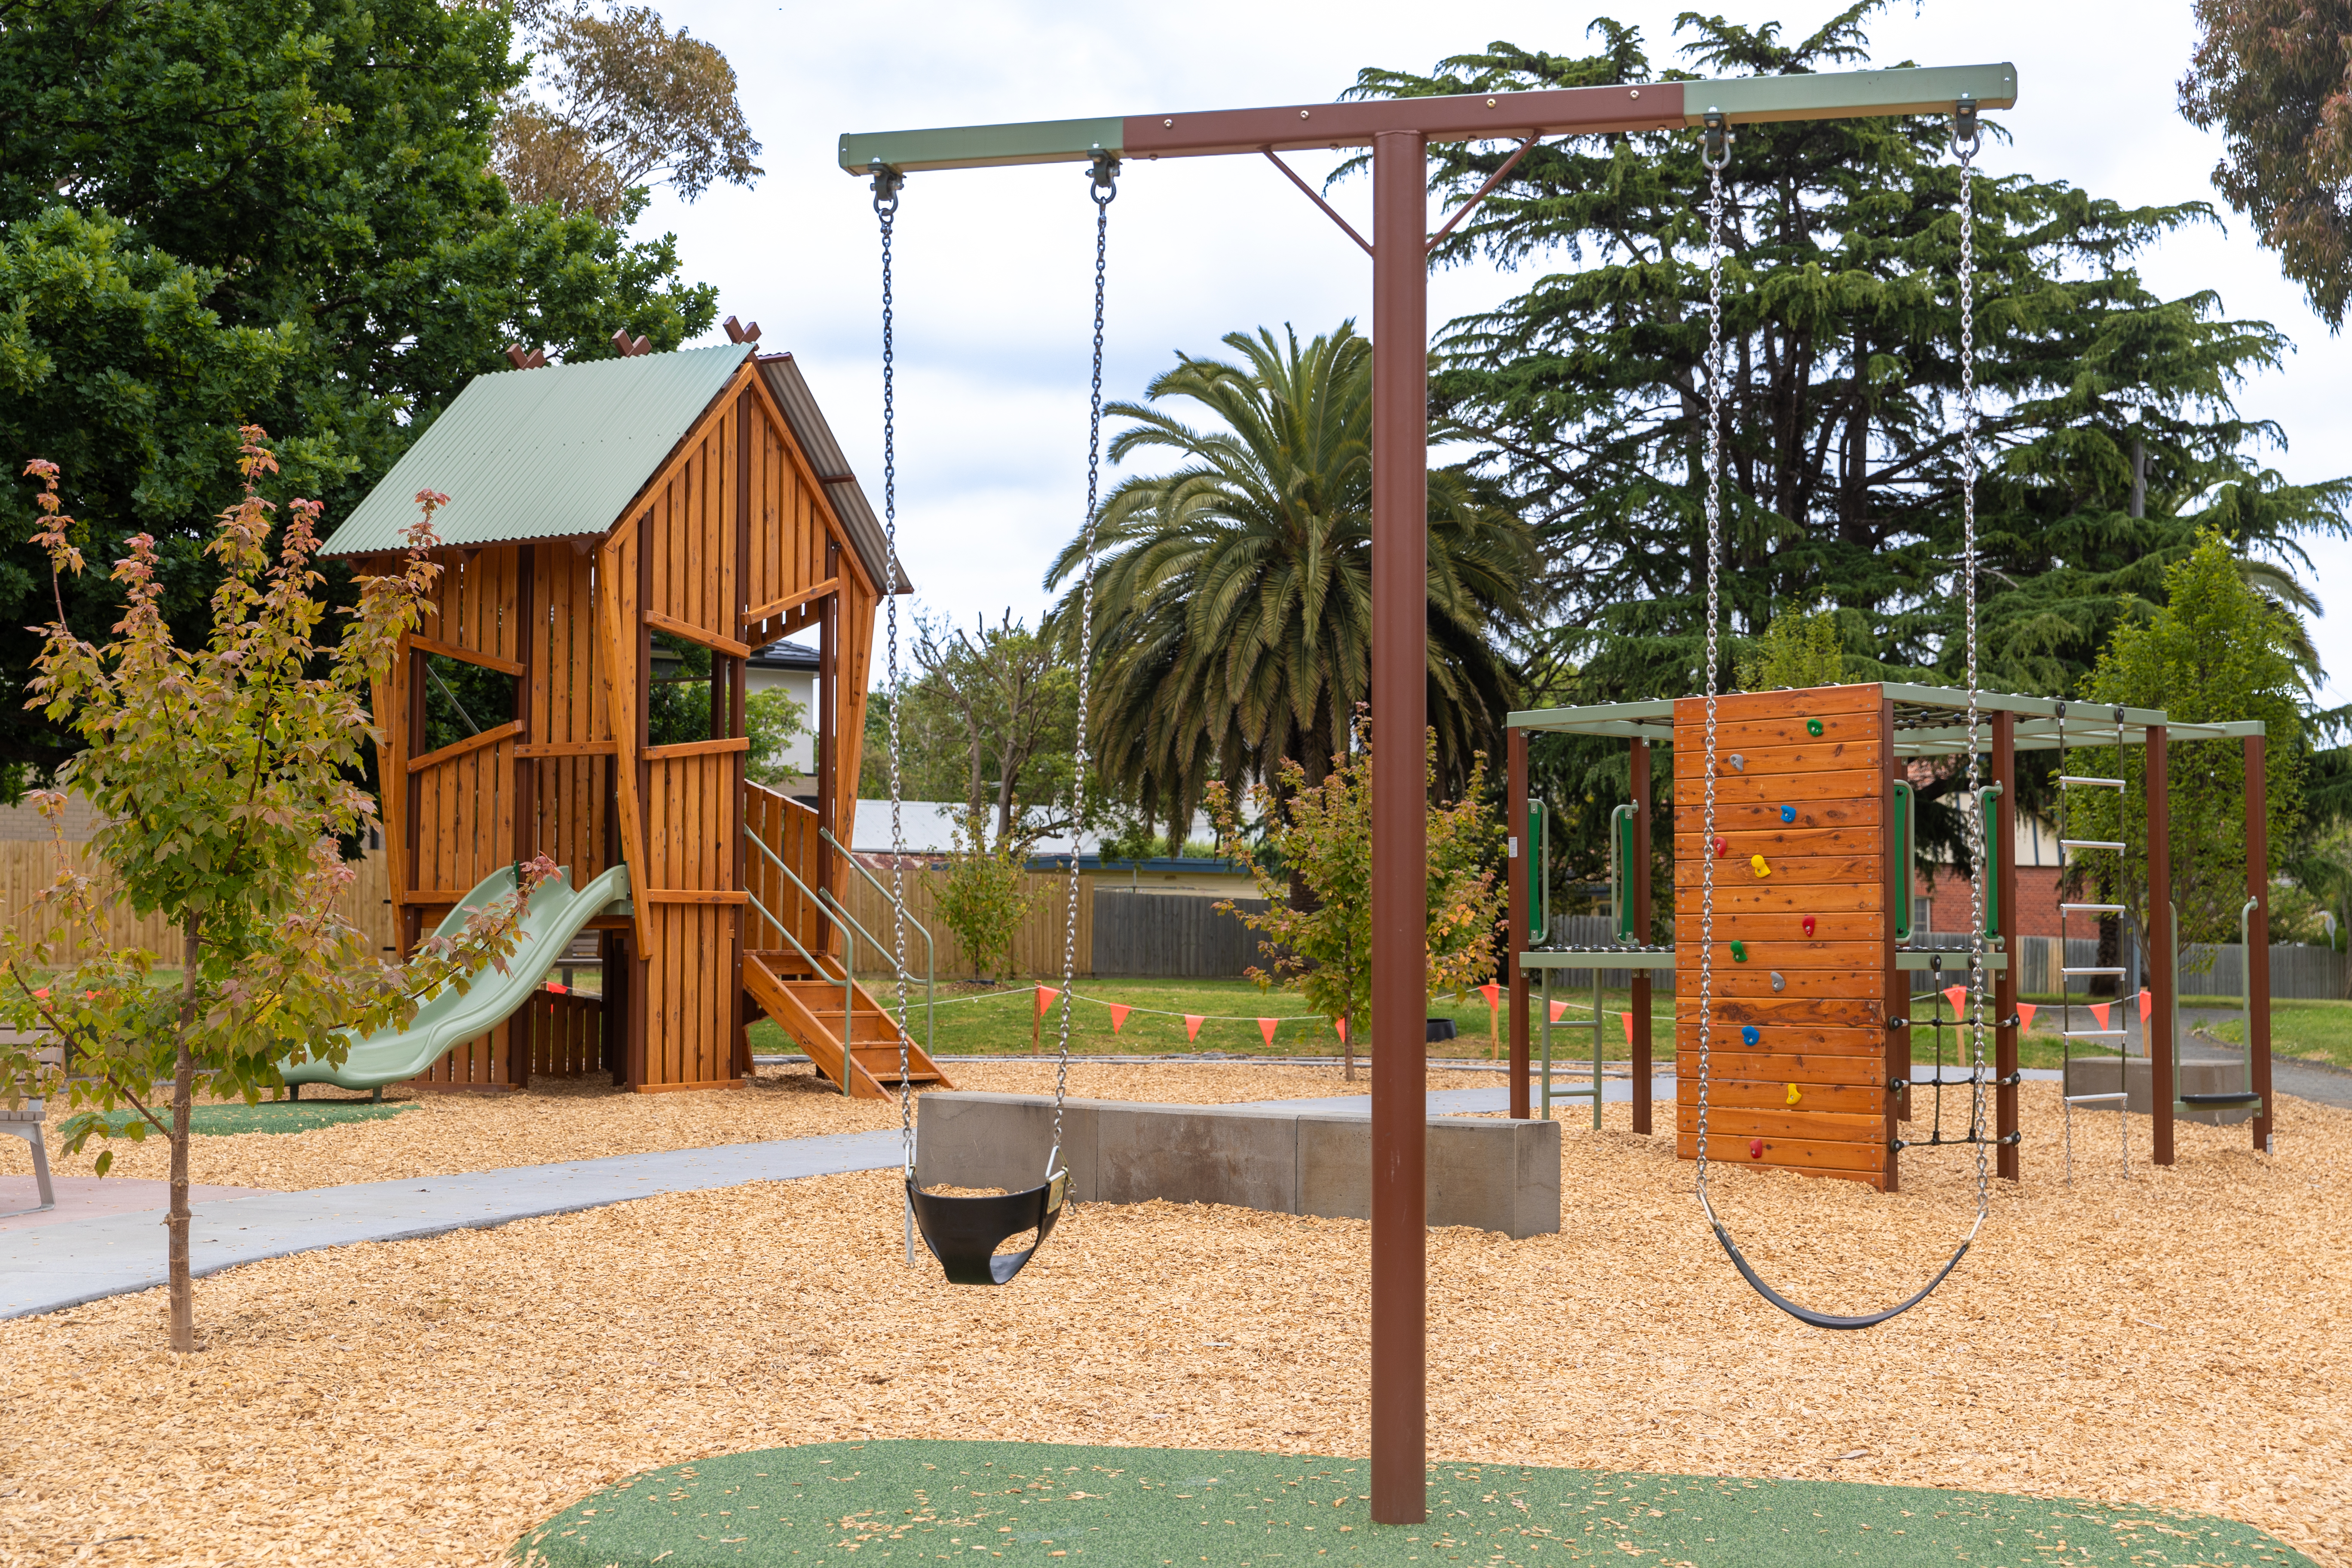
column 1717, row 155
column 887, row 183
column 1966, row 139
column 1104, row 188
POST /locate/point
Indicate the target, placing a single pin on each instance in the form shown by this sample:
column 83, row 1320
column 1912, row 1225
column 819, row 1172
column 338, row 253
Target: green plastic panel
column 1538, row 871
column 1988, row 798
column 1621, row 895
column 1903, row 833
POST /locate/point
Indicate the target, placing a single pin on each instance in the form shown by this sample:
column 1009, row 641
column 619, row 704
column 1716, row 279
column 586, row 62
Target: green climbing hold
column 1813, row 726
column 1739, row 952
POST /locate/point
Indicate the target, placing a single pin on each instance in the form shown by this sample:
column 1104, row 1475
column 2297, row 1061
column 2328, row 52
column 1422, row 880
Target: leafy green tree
column 1799, row 648
column 221, row 774
column 772, row 718
column 221, row 211
column 2218, row 650
column 1318, row 834
column 986, row 895
column 1586, row 395
column 1233, row 598
column 2270, row 75
column 622, row 104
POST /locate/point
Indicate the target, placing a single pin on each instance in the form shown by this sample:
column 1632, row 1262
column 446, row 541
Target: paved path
column 63, row 1265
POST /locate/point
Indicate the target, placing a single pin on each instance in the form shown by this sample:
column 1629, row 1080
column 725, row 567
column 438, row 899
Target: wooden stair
column 808, row 1007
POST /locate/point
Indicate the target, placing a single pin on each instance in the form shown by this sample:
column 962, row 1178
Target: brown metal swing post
column 1399, row 132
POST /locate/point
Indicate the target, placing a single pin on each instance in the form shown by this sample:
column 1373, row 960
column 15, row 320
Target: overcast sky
column 994, row 271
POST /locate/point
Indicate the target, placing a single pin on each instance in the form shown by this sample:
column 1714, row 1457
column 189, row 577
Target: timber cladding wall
column 1808, row 1094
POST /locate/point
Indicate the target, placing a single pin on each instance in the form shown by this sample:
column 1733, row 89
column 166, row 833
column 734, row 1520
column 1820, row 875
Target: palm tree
column 1232, row 597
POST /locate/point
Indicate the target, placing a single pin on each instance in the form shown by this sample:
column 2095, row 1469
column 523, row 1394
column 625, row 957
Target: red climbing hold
column 1756, row 1148
column 1722, row 848
column 1809, row 925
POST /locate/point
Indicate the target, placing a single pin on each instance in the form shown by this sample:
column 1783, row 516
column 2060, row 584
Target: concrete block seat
column 2130, row 1077
column 1492, row 1174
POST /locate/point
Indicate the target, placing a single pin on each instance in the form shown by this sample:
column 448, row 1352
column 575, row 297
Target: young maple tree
column 222, row 778
column 1321, row 945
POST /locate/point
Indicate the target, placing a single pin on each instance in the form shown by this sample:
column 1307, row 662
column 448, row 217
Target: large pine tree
column 1841, row 326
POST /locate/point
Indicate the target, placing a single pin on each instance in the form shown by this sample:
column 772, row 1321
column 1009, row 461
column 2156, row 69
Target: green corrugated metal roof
column 539, row 454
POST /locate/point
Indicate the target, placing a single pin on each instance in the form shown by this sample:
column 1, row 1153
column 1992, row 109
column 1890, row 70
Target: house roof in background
column 782, row 655
column 791, row 391
column 550, row 453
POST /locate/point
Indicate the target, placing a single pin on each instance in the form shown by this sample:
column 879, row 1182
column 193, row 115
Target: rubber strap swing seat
column 1717, row 155
column 966, row 1232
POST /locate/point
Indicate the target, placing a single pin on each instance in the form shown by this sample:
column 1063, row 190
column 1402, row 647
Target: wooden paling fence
column 1173, row 934
column 28, row 868
column 1036, row 948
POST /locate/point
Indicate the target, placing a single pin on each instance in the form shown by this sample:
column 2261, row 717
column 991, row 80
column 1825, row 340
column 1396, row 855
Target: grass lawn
column 996, row 1021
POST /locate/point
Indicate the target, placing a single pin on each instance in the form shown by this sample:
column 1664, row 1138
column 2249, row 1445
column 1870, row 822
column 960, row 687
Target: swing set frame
column 1399, row 132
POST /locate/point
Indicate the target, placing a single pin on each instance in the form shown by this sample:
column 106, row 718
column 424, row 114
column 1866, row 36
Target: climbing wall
column 1804, row 975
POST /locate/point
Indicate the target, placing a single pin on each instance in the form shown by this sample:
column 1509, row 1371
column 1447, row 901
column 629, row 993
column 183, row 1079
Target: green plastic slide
column 557, row 914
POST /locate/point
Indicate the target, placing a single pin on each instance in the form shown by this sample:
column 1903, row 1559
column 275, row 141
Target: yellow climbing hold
column 1793, row 1095
column 1756, row 863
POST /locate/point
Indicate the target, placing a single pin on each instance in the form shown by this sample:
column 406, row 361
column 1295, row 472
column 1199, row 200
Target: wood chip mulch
column 576, row 1118
column 2174, row 1339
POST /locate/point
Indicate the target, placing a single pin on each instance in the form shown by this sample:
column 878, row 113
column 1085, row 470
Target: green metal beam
column 983, row 146
column 1645, row 106
column 1850, row 95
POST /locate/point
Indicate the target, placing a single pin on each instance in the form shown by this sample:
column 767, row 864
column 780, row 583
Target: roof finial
column 630, row 347
column 739, row 333
column 523, row 359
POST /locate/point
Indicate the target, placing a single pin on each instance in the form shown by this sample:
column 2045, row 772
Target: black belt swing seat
column 963, row 1233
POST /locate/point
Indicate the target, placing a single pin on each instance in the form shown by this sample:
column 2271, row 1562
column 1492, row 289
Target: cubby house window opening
column 462, row 700
column 688, row 697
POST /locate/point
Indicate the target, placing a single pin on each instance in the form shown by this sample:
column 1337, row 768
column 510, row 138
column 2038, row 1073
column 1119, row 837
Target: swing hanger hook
column 1968, row 133
column 1104, row 171
column 1716, row 153
column 887, row 183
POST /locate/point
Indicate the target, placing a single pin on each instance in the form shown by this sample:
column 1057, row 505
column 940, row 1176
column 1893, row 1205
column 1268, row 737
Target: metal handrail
column 849, row 955
column 930, row 948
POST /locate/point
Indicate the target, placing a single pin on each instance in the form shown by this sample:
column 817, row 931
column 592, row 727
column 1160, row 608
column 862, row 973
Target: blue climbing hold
column 1749, row 1037
column 1788, row 814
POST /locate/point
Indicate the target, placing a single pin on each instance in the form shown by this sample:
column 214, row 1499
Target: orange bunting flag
column 1627, row 1019
column 1117, row 1015
column 1265, row 1027
column 2025, row 1010
column 1956, row 995
column 2099, row 1011
column 1493, row 992
column 2147, row 1003
column 1193, row 1021
column 1046, row 994
column 555, row 989
column 1340, row 1025
column 1558, row 1011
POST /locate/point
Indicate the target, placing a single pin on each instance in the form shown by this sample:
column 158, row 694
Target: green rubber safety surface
column 835, row 1505
column 269, row 1116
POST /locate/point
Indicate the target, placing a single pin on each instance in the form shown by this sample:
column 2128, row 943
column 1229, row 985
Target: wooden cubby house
column 620, row 535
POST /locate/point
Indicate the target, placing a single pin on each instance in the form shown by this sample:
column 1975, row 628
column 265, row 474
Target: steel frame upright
column 1399, row 132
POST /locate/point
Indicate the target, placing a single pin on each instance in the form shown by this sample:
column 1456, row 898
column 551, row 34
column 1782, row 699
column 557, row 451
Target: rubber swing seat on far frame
column 1804, row 1314
column 963, row 1233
